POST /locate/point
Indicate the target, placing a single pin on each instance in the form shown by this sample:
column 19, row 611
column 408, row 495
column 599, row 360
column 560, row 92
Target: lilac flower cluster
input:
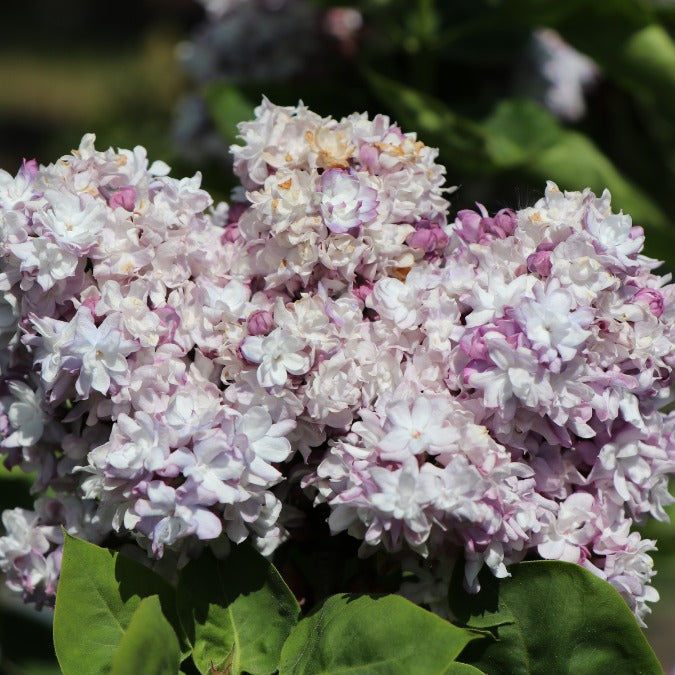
column 116, row 298
column 487, row 387
column 338, row 204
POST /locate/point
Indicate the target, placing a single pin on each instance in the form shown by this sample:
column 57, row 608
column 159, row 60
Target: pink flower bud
column 231, row 233
column 539, row 262
column 428, row 237
column 260, row 322
column 423, row 239
column 29, row 168
column 651, row 297
column 124, row 197
column 504, row 223
column 363, row 290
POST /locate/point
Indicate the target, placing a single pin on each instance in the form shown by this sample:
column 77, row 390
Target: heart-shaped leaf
column 149, row 644
column 238, row 611
column 551, row 617
column 368, row 635
column 98, row 595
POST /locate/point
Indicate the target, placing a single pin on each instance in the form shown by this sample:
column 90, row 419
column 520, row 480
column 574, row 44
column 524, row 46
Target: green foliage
column 551, row 617
column 228, row 107
column 115, row 616
column 98, row 596
column 371, row 635
column 149, row 644
column 237, row 610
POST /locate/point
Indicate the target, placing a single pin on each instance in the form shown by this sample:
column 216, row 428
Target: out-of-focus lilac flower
column 567, row 74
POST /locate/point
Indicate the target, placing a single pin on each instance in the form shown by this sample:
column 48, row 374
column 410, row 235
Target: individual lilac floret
column 279, row 356
column 346, row 202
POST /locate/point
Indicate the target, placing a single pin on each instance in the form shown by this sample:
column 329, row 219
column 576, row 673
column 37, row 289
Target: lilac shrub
column 487, row 388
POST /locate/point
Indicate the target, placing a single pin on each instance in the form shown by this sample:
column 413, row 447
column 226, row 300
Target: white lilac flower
column 346, row 202
column 574, row 528
column 489, row 301
column 278, row 354
column 267, row 442
column 25, row 415
column 551, row 324
column 396, row 301
column 15, row 191
column 213, row 469
column 401, row 496
column 140, row 322
column 165, row 518
column 136, row 446
column 72, row 221
column 102, row 351
column 517, row 373
column 413, row 429
column 44, row 261
column 615, row 234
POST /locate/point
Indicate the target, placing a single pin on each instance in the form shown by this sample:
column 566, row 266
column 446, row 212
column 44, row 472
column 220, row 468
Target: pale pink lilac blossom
column 489, row 387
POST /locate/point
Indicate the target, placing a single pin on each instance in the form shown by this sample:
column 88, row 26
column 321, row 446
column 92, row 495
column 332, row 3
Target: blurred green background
column 468, row 75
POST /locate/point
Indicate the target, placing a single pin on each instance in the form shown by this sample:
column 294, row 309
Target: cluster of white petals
column 489, row 387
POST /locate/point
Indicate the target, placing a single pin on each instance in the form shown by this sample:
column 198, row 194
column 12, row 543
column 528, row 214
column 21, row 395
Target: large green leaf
column 552, row 617
column 367, row 635
column 99, row 592
column 238, row 611
column 518, row 131
column 149, row 644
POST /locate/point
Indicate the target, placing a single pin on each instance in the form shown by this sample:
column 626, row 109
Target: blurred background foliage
column 499, row 86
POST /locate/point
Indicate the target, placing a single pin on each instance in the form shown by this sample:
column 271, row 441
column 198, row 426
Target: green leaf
column 371, row 635
column 238, row 609
column 149, row 644
column 551, row 617
column 517, row 130
column 99, row 592
column 228, row 106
